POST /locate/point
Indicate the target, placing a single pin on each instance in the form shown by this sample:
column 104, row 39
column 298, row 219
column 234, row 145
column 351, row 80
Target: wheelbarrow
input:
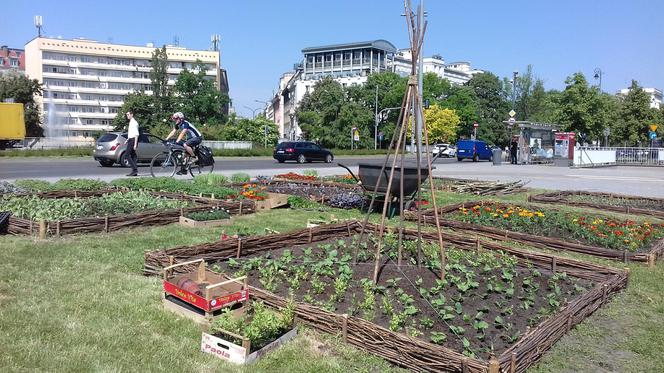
column 367, row 178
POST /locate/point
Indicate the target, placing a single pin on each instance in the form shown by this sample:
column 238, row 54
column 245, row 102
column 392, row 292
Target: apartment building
column 12, row 59
column 655, row 94
column 85, row 82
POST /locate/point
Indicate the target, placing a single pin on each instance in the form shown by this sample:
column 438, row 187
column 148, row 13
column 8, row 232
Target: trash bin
column 497, row 157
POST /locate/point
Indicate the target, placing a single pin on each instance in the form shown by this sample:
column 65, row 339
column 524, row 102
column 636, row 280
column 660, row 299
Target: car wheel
column 280, row 160
column 106, row 162
column 475, row 158
column 459, row 159
column 328, row 158
column 124, row 160
column 301, row 158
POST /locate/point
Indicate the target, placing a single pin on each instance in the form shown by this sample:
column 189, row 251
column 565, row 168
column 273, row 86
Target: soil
column 497, row 337
column 621, row 202
column 310, row 191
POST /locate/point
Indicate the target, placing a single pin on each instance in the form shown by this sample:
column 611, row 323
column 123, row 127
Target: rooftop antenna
column 215, row 42
column 176, row 41
column 38, row 25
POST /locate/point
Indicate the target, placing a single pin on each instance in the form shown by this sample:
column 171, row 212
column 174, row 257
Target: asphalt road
column 639, row 181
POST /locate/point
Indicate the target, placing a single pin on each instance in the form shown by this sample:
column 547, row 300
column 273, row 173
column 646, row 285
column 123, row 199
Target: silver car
column 111, row 148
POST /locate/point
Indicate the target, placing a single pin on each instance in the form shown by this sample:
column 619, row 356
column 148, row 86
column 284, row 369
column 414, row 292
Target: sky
column 261, row 40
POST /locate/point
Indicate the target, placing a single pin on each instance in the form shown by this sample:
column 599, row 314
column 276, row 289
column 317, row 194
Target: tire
column 459, row 159
column 106, row 163
column 196, row 169
column 124, row 160
column 165, row 164
column 281, row 160
column 328, row 158
column 476, row 158
column 301, row 158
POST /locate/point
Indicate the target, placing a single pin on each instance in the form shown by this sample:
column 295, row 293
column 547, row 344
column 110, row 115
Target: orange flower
column 618, row 233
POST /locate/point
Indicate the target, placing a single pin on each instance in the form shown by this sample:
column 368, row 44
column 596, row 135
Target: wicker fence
column 115, row 222
column 561, row 198
column 399, row 348
column 655, row 253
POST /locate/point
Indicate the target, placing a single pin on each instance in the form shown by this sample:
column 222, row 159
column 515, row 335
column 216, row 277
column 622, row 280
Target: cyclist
column 189, row 136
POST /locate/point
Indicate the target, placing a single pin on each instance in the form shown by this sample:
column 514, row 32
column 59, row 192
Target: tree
column 251, row 130
column 318, row 113
column 23, row 90
column 635, row 117
column 525, row 91
column 492, row 108
column 463, row 101
column 159, row 79
column 435, row 88
column 198, row 97
column 581, row 108
column 441, row 123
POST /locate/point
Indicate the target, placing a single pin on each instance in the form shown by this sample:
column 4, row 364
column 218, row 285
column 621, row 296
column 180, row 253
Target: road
column 641, row 181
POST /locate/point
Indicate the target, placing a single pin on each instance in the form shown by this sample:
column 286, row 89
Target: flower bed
column 594, row 235
column 605, row 201
column 397, row 302
column 67, row 212
column 337, row 195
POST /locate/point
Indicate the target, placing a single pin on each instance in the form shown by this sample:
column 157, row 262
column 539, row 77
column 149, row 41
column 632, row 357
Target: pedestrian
column 132, row 143
column 514, row 147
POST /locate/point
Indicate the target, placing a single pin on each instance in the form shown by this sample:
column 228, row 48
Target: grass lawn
column 80, row 303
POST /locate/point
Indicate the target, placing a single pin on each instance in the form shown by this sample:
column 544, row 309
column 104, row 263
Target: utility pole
column 420, row 67
column 516, row 75
column 376, row 120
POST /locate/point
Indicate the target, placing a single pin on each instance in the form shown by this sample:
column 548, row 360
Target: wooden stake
column 513, row 362
column 57, row 228
column 478, row 246
column 344, row 327
column 651, row 260
column 31, row 230
column 42, row 229
column 494, row 365
column 201, row 272
column 310, row 236
column 239, row 248
column 569, row 322
column 464, row 365
column 240, row 213
column 605, row 289
column 553, row 264
column 106, row 225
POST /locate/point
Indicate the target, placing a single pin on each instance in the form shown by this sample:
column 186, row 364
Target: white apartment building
column 655, row 94
column 85, row 82
column 348, row 64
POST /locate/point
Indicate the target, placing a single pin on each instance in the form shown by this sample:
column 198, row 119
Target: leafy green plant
column 213, row 214
column 313, row 173
column 79, row 184
column 33, row 185
column 240, row 177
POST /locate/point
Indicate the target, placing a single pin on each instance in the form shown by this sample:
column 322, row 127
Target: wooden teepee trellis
column 410, row 105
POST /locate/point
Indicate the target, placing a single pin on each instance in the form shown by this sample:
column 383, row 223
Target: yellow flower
column 506, row 215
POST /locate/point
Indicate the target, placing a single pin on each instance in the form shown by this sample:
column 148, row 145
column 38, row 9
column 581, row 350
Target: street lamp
column 253, row 111
column 598, row 75
column 516, row 76
column 265, row 126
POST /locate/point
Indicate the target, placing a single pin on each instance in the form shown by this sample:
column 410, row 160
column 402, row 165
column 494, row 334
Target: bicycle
column 168, row 163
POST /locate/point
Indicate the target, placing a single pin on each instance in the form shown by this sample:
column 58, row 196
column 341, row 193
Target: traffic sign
column 511, row 120
column 475, row 125
column 512, row 113
column 652, row 135
column 653, row 127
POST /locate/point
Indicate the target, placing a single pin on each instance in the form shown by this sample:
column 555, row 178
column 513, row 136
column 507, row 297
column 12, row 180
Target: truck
column 12, row 124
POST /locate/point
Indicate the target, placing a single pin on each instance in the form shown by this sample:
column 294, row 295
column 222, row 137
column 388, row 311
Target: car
column 443, row 150
column 301, row 151
column 111, row 148
column 473, row 149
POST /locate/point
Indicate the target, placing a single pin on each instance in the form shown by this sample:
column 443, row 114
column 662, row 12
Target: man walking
column 132, row 143
column 514, row 147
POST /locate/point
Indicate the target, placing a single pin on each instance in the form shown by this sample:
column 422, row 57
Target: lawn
column 80, row 303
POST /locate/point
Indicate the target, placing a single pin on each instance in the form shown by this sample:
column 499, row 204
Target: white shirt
column 133, row 129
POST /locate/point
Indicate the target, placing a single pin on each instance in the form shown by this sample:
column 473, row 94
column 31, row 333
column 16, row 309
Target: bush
column 240, row 177
column 33, row 185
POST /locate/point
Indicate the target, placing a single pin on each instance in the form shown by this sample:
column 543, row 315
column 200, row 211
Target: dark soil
column 620, row 202
column 310, row 191
column 401, row 287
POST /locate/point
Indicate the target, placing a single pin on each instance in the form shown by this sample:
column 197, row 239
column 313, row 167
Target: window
column 13, row 62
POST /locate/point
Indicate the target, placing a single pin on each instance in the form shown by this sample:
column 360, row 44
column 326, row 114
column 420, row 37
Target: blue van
column 473, row 149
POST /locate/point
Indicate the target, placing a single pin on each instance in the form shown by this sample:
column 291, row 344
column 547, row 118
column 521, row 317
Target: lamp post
column 265, row 126
column 516, row 76
column 598, row 75
column 253, row 111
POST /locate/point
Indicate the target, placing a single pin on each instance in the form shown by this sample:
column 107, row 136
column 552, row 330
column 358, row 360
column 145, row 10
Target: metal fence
column 228, row 144
column 618, row 156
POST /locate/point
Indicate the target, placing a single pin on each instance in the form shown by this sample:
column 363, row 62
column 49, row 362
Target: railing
column 228, row 144
column 618, row 156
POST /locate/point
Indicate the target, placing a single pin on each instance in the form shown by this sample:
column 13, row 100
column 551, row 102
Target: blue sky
column 260, row 40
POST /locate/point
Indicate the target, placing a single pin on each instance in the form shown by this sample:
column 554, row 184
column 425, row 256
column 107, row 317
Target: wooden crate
column 272, row 200
column 187, row 222
column 218, row 292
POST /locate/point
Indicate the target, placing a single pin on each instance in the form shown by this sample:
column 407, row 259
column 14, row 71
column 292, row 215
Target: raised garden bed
column 340, row 195
column 106, row 223
column 600, row 236
column 604, row 201
column 399, row 347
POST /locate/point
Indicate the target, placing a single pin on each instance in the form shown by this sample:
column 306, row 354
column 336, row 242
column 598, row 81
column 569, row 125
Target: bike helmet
column 177, row 115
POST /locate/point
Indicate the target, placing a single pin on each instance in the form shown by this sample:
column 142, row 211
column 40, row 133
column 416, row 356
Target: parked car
column 443, row 150
column 473, row 149
column 301, row 151
column 111, row 148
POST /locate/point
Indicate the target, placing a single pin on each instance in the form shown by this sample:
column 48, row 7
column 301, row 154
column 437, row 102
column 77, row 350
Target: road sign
column 511, row 120
column 356, row 135
column 475, row 125
column 381, row 136
column 512, row 113
column 607, row 131
column 653, row 127
column 652, row 135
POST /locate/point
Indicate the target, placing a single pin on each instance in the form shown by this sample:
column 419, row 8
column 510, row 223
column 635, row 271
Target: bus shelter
column 535, row 141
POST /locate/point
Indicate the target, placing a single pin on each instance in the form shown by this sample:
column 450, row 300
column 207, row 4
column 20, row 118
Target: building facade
column 12, row 59
column 85, row 82
column 655, row 94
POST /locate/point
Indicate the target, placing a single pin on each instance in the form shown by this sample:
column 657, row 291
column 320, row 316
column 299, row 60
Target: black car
column 301, row 151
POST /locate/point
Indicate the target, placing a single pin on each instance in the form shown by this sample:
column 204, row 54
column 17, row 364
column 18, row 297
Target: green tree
column 198, row 97
column 159, row 80
column 23, row 90
column 435, row 88
column 492, row 108
column 581, row 108
column 253, row 130
column 635, row 117
column 441, row 123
